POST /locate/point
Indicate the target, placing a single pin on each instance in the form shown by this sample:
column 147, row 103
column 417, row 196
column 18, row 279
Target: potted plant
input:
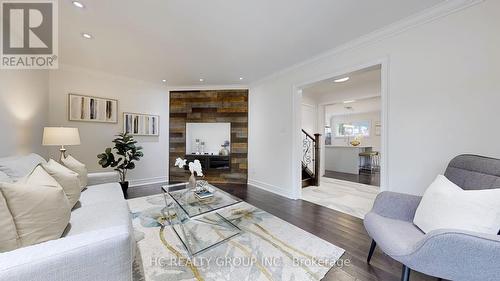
column 194, row 167
column 126, row 153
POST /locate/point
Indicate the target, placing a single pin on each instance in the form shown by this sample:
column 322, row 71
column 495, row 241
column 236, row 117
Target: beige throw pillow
column 78, row 168
column 39, row 208
column 66, row 178
column 8, row 232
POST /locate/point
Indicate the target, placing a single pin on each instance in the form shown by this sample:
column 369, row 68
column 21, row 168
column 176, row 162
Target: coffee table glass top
column 195, row 222
column 193, row 206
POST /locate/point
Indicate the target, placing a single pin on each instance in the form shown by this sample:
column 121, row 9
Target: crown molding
column 434, row 13
column 207, row 87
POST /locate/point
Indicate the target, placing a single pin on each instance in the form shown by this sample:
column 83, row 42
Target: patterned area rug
column 351, row 198
column 268, row 248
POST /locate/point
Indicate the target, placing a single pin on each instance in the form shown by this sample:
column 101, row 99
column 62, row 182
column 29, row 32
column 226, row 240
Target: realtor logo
column 29, row 35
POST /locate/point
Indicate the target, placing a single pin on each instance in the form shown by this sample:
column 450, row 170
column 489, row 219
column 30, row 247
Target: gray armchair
column 445, row 253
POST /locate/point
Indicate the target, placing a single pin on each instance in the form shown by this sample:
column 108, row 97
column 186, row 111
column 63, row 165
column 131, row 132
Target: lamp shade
column 60, row 136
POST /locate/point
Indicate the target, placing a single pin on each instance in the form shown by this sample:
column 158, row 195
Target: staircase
column 310, row 159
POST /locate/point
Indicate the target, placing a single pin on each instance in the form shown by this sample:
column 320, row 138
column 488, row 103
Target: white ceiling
column 218, row 40
column 362, row 84
column 359, row 106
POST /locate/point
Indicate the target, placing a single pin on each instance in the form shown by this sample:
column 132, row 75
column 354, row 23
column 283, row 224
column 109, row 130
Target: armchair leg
column 405, row 276
column 372, row 249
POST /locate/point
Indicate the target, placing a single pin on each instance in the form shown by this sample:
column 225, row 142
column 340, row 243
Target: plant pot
column 192, row 181
column 124, row 189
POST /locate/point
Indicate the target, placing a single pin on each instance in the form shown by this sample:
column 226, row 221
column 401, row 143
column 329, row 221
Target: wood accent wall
column 209, row 107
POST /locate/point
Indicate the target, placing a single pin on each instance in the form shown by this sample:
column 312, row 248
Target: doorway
column 349, row 111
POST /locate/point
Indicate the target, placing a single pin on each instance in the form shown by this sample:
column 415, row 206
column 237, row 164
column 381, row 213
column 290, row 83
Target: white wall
column 309, row 116
column 444, row 99
column 212, row 134
column 309, row 113
column 23, row 111
column 133, row 96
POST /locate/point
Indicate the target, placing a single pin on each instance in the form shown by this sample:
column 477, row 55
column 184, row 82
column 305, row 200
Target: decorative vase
column 192, row 181
column 124, row 186
column 223, row 151
column 355, row 142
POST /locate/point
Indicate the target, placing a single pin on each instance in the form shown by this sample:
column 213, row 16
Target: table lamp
column 60, row 136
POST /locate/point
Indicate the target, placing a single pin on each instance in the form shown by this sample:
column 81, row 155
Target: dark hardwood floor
column 337, row 228
column 373, row 179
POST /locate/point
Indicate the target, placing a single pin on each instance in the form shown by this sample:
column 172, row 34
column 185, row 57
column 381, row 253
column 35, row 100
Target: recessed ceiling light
column 201, row 79
column 164, row 80
column 87, row 36
column 78, row 4
column 241, row 78
column 341, row 80
column 349, row 101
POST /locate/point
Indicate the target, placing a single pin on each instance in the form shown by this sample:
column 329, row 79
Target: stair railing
column 311, row 155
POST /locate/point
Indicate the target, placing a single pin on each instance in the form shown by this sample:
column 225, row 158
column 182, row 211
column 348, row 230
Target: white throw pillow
column 447, row 206
column 66, row 178
column 4, row 177
column 39, row 208
column 20, row 166
column 78, row 168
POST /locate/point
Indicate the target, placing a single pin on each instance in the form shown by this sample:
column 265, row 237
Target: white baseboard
column 140, row 182
column 271, row 188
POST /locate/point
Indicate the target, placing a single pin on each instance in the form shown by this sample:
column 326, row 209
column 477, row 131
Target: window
column 353, row 129
column 328, row 135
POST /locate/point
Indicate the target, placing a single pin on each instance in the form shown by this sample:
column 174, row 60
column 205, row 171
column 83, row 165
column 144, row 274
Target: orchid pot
column 195, row 169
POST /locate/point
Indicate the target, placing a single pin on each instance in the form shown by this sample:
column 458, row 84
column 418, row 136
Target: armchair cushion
column 395, row 237
column 456, row 255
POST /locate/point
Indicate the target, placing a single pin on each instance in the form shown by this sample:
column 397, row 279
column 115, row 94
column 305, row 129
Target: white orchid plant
column 194, row 167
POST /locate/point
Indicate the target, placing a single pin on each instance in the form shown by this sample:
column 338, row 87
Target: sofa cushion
column 77, row 167
column 102, row 178
column 95, row 194
column 20, row 166
column 39, row 207
column 66, row 178
column 98, row 216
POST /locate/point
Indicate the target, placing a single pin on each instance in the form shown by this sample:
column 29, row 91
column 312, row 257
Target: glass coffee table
column 196, row 222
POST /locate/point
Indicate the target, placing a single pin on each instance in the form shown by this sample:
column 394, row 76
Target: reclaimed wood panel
column 223, row 106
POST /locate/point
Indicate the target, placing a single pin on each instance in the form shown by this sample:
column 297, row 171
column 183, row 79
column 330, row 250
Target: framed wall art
column 92, row 109
column 139, row 124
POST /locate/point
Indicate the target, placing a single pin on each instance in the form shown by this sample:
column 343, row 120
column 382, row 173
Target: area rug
column 351, row 198
column 268, row 248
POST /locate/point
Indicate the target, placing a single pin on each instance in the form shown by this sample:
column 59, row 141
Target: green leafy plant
column 126, row 153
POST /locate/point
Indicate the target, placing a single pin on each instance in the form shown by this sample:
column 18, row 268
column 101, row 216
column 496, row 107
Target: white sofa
column 97, row 245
